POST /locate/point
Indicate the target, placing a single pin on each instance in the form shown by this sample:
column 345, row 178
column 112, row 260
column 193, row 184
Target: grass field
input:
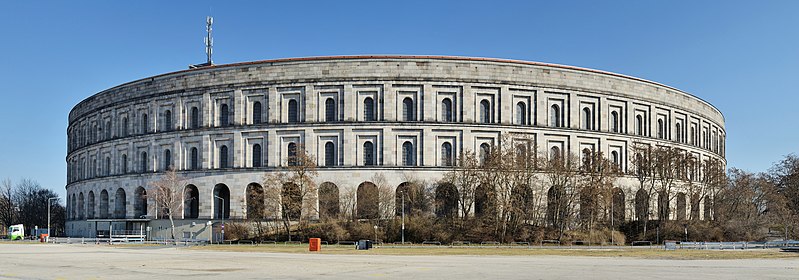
column 646, row 253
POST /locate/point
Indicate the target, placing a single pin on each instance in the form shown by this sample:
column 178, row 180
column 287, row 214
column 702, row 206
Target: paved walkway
column 50, row 261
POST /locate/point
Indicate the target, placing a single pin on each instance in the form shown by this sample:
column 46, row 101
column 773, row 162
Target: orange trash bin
column 315, row 244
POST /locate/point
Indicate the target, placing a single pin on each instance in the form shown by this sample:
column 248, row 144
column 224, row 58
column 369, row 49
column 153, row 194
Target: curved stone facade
column 359, row 115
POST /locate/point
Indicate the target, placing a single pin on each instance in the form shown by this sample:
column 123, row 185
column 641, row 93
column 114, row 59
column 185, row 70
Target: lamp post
column 403, row 217
column 48, row 215
column 685, row 226
column 223, row 216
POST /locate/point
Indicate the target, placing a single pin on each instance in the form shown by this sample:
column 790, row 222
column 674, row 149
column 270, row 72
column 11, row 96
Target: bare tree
column 6, row 203
column 562, row 175
column 644, row 171
column 349, row 203
column 666, row 163
column 297, row 189
column 465, row 177
column 597, row 177
column 167, row 193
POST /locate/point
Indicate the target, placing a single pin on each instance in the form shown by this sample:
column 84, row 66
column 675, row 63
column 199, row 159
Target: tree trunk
column 172, row 223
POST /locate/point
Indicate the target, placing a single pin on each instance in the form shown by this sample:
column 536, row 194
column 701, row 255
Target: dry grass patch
column 645, row 253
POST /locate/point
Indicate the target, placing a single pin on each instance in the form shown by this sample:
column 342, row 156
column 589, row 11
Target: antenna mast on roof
column 209, row 44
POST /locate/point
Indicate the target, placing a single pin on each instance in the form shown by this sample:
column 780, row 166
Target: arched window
column 588, row 120
column 143, row 162
column 221, row 202
column 224, row 115
column 639, row 125
column 328, row 200
column 369, row 109
column 139, row 203
column 554, row 154
column 291, row 201
column 521, row 113
column 124, row 127
column 124, row 163
column 330, row 110
column 293, row 111
column 191, row 202
column 485, row 151
column 167, row 160
column 408, row 110
column 195, row 159
column 614, row 121
column 641, row 205
column 408, row 154
column 693, row 135
column 256, row 112
column 446, row 110
column 255, row 202
column 446, row 154
column 554, row 116
column 167, row 120
column 614, row 157
column 81, row 207
column 368, row 202
column 292, row 154
column 108, row 130
column 368, row 153
column 678, row 132
column 485, row 111
column 107, row 166
column 330, row 154
column 223, row 157
column 661, row 129
column 195, row 118
column 256, row 155
column 144, row 122
column 120, row 204
column 446, row 200
column 104, row 205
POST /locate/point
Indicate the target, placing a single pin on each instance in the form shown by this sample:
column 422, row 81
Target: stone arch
column 447, row 198
column 120, row 204
column 73, row 211
column 522, row 201
column 681, row 206
column 617, row 205
column 291, row 201
column 641, row 205
column 663, row 205
column 404, row 189
column 328, row 201
column 556, row 206
column 255, row 201
column 367, row 201
column 90, row 206
column 191, row 202
column 104, row 205
column 588, row 206
column 483, row 201
column 139, row 203
column 221, row 201
column 81, row 207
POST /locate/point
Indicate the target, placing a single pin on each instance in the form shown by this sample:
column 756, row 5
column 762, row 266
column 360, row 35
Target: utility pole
column 48, row 215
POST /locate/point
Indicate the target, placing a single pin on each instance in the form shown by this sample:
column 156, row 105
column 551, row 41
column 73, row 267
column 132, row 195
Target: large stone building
column 223, row 127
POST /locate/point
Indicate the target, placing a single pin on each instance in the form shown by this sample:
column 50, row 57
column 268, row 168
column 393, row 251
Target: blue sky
column 741, row 56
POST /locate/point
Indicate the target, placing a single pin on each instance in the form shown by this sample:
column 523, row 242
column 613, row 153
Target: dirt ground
column 51, row 261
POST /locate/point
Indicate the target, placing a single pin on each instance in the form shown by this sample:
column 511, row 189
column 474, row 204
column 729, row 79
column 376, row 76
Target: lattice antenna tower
column 209, row 44
column 209, row 41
